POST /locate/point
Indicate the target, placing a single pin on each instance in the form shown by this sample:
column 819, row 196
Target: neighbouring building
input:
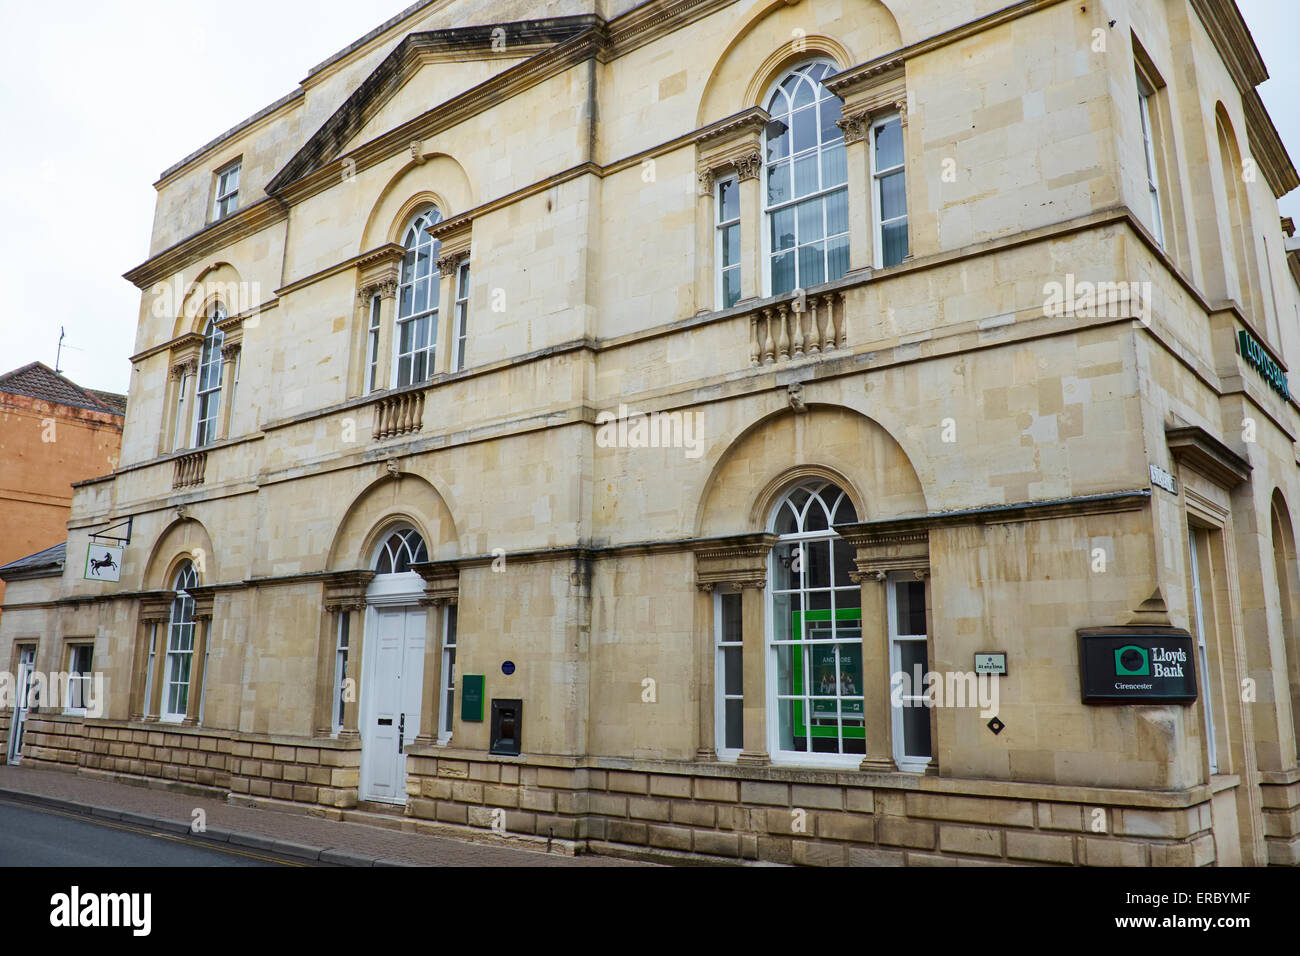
column 53, row 433
column 590, row 419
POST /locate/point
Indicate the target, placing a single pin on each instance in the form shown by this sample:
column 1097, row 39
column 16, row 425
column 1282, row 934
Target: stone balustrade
column 190, row 470
column 400, row 414
column 799, row 328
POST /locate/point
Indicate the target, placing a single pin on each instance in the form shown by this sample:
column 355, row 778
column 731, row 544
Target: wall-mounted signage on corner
column 1137, row 665
column 1257, row 357
column 1163, row 479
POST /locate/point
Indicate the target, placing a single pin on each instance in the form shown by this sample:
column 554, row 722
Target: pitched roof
column 38, row 380
column 42, row 563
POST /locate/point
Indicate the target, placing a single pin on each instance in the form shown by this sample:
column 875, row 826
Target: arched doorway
column 392, row 668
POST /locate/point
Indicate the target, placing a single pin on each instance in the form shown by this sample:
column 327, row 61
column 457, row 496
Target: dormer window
column 227, row 200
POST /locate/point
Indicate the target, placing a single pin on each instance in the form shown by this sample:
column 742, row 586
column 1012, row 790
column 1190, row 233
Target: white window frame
column 905, row 762
column 460, row 335
column 720, row 695
column 1146, row 93
column 807, row 758
column 149, row 670
column 207, row 400
column 765, row 222
column 372, row 344
column 877, row 223
column 429, row 347
column 720, row 228
column 179, row 436
column 342, row 647
column 226, row 202
column 175, row 654
column 79, row 678
column 1202, row 651
column 447, row 675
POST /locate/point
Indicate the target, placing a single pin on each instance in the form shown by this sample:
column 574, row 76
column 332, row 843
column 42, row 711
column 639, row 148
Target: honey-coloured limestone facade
column 690, row 372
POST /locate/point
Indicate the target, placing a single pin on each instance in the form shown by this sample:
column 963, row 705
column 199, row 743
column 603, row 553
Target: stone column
column 151, row 629
column 705, row 219
column 754, row 678
column 229, row 359
column 176, row 429
column 203, row 600
column 441, row 590
column 857, row 152
column 706, row 680
column 749, row 173
column 186, row 423
column 356, row 633
column 877, row 708
column 359, row 367
column 448, row 266
column 387, row 318
column 431, row 692
column 322, row 721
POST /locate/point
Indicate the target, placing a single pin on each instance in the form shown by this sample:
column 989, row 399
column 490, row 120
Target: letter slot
column 507, row 727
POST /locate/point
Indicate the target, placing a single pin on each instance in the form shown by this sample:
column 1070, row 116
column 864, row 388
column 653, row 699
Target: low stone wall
column 318, row 772
column 780, row 815
column 810, row 817
column 1280, row 799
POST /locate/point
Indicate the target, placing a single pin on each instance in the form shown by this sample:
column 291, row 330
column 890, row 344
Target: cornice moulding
column 244, row 223
column 1193, row 446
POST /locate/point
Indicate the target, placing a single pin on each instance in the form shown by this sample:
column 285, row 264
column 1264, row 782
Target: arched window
column 417, row 302
column 180, row 645
column 806, row 199
column 209, row 385
column 1288, row 599
column 815, row 643
column 401, row 549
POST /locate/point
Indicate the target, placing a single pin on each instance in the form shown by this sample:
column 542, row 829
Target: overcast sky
column 97, row 98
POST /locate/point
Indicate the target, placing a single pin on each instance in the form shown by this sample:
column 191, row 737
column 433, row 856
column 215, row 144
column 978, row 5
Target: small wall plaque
column 991, row 663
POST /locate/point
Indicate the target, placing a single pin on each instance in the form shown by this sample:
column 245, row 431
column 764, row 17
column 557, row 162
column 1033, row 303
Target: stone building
column 577, row 426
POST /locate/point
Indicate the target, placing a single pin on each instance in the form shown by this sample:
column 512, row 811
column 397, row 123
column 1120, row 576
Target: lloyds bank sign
column 1258, row 358
column 1137, row 664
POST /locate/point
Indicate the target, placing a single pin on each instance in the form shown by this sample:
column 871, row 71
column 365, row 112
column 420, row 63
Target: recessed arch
column 185, row 539
column 1286, row 570
column 440, row 180
column 831, row 442
column 384, row 505
column 776, row 35
column 218, row 284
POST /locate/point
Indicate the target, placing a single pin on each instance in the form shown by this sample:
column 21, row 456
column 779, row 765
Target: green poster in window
column 835, row 681
column 471, row 698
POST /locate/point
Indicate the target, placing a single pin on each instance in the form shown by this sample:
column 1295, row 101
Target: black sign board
column 1137, row 664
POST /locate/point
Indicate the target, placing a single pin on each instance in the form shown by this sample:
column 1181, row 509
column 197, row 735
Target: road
column 34, row 836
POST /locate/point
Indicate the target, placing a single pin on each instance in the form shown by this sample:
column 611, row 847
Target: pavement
column 286, row 836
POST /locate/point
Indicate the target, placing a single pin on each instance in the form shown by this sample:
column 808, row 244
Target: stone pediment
column 494, row 49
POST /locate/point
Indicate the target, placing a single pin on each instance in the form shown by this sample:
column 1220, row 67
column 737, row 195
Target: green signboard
column 1257, row 357
column 471, row 698
column 826, row 681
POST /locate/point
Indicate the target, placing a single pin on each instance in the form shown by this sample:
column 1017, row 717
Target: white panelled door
column 392, row 672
